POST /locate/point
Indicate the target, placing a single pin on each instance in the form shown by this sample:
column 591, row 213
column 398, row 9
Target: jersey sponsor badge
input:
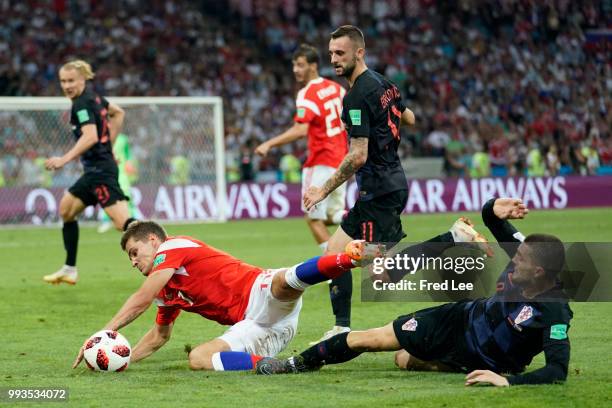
column 301, row 113
column 410, row 325
column 83, row 115
column 558, row 331
column 355, row 115
column 525, row 314
column 159, row 259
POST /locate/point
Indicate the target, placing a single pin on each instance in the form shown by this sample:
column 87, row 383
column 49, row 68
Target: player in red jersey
column 319, row 106
column 182, row 273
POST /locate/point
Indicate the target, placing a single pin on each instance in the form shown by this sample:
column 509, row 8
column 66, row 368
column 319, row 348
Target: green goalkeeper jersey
column 121, row 150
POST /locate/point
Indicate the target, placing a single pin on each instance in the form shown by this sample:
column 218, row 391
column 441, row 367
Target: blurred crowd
column 502, row 87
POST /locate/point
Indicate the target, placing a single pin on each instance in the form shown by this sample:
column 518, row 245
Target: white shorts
column 333, row 203
column 269, row 324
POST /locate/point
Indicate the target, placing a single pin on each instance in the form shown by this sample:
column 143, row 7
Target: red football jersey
column 319, row 104
column 207, row 281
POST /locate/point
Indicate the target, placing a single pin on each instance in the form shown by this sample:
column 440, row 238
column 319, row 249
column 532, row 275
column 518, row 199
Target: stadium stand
column 528, row 84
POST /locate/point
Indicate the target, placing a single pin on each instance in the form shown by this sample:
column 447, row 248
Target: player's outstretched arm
column 557, row 355
column 496, row 212
column 116, row 116
column 151, row 342
column 136, row 304
column 356, row 157
column 292, row 134
column 140, row 301
column 85, row 142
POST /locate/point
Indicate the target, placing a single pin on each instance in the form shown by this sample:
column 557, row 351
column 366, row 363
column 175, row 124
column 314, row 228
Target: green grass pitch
column 43, row 326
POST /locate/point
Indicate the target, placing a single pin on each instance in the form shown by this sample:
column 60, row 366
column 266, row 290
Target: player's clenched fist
column 262, row 149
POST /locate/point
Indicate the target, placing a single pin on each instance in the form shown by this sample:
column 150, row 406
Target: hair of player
column 352, row 32
column 548, row 252
column 82, row 67
column 309, row 52
column 140, row 231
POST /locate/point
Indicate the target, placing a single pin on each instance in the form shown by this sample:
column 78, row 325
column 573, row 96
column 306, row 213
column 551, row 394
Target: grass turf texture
column 43, row 326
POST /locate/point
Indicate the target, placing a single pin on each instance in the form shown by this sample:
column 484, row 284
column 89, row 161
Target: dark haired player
column 372, row 111
column 318, row 107
column 182, row 273
column 485, row 337
column 95, row 123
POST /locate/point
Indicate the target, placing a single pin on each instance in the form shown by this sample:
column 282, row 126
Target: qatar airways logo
column 198, row 202
column 279, row 200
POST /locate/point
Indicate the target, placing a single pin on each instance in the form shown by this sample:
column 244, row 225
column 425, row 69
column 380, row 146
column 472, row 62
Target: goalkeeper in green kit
column 128, row 173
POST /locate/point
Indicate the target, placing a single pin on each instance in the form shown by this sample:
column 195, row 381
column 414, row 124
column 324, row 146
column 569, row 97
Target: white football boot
column 66, row 274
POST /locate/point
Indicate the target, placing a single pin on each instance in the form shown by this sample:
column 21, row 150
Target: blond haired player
column 95, row 125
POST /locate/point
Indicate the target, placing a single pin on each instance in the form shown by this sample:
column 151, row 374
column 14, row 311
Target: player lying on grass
column 501, row 334
column 262, row 306
column 182, row 273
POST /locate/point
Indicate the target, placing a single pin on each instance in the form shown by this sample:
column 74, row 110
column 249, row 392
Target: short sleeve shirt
column 92, row 109
column 372, row 108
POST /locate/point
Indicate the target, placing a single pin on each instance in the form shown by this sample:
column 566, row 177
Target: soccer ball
column 107, row 350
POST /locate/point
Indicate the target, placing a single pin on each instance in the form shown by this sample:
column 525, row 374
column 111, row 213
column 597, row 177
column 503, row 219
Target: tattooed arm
column 356, row 157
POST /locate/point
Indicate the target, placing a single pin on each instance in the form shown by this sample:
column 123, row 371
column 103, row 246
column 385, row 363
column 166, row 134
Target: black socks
column 70, row 232
column 340, row 293
column 331, row 351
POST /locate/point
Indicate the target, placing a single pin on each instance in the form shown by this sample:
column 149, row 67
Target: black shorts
column 436, row 334
column 378, row 219
column 98, row 188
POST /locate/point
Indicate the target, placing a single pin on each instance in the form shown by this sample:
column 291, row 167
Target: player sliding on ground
column 501, row 334
column 182, row 273
column 261, row 305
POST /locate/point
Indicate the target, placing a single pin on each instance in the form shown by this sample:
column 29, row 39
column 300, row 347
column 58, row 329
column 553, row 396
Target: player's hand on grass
column 312, row 197
column 79, row 357
column 486, row 377
column 54, row 163
column 510, row 208
column 262, row 149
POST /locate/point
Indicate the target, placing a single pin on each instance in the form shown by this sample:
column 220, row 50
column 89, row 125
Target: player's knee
column 401, row 359
column 67, row 213
column 281, row 289
column 64, row 213
column 200, row 361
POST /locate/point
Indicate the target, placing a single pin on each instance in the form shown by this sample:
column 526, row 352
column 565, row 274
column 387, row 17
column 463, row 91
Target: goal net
column 177, row 150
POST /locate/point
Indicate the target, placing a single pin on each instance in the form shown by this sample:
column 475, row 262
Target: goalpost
column 177, row 144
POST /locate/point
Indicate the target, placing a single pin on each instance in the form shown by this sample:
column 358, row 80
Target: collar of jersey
column 315, row 81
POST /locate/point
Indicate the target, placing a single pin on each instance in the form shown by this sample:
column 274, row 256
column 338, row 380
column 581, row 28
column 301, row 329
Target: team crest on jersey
column 355, row 115
column 159, row 259
column 410, row 325
column 525, row 314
